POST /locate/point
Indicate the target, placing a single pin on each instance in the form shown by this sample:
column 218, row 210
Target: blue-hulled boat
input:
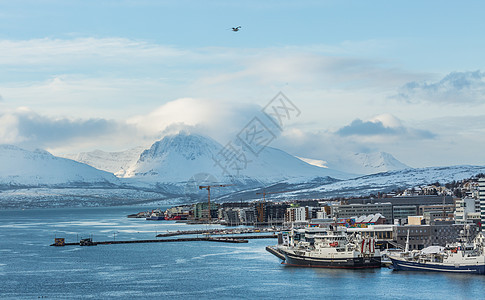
column 460, row 257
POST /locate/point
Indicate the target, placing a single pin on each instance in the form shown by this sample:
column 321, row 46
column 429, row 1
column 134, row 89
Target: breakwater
column 241, row 239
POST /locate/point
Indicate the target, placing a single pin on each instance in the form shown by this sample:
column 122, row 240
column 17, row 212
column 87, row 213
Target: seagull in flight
column 236, row 28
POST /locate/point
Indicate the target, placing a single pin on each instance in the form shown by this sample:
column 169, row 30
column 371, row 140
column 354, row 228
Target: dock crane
column 260, row 208
column 208, row 188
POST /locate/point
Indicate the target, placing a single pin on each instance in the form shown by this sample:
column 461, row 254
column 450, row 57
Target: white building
column 466, row 210
column 296, row 214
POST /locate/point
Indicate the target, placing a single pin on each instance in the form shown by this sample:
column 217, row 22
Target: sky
column 407, row 78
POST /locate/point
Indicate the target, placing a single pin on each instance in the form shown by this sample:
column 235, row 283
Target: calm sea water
column 29, row 268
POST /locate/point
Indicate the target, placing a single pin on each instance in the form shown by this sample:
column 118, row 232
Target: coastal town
column 430, row 215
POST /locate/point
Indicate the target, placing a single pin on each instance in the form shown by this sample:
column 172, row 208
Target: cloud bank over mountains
column 140, row 91
column 455, row 88
column 383, row 125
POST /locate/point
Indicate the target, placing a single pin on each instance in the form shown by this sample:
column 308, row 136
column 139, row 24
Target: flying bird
column 236, row 28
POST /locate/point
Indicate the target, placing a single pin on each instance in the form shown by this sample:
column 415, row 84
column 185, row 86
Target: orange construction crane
column 208, row 187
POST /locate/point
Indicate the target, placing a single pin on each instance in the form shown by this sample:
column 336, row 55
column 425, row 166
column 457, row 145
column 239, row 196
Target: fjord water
column 30, row 268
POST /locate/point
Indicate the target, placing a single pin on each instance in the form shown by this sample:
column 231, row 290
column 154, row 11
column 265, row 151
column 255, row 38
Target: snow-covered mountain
column 360, row 163
column 175, row 166
column 178, row 158
column 114, row 162
column 19, row 167
column 126, row 164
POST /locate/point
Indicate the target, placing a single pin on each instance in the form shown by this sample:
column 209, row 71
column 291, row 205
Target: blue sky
column 405, row 78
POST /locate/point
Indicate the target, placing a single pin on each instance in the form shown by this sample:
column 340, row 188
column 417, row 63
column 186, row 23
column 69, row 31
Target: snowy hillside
column 113, row 162
column 366, row 163
column 178, row 158
column 387, row 181
column 361, row 186
column 19, row 167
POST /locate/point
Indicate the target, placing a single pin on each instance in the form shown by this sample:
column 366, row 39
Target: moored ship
column 464, row 256
column 328, row 247
column 156, row 215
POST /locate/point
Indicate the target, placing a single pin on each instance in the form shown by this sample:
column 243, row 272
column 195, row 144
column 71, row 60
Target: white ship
column 327, row 248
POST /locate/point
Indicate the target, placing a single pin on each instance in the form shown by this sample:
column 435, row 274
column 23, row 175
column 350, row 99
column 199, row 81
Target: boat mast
column 407, row 243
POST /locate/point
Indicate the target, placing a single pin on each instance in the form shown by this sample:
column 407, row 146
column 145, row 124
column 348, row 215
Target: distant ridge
column 20, row 167
column 114, row 162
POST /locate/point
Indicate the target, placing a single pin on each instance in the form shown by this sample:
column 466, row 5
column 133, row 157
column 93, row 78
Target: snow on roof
column 369, row 219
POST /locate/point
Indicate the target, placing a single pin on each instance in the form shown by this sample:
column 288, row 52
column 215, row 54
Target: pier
column 241, row 239
column 221, row 231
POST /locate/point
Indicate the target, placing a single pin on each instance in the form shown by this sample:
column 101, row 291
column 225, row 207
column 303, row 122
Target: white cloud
column 218, row 119
column 221, row 120
column 113, row 76
column 383, row 128
column 387, row 120
column 455, row 87
column 58, row 52
column 29, row 129
column 8, row 129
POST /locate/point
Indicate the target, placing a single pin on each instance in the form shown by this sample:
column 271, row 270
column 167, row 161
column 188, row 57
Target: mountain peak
column 367, row 163
column 190, row 146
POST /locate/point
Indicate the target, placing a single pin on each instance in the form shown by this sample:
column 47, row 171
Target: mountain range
column 196, row 152
column 175, row 166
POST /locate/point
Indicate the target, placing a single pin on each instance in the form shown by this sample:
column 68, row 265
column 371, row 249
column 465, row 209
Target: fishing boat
column 155, row 215
column 330, row 247
column 464, row 256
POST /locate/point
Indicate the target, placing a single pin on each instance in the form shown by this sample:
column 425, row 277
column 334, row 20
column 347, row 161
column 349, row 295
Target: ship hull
column 402, row 265
column 155, row 218
column 319, row 262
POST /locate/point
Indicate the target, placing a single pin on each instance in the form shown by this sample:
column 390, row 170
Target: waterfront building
column 384, row 233
column 422, row 236
column 201, row 211
column 445, row 209
column 431, row 217
column 184, row 211
column 415, row 220
column 270, row 213
column 481, row 195
column 321, row 214
column 231, row 216
column 352, row 210
column 466, row 210
column 296, row 214
column 404, row 211
column 248, row 215
column 362, row 221
column 404, row 206
column 235, row 216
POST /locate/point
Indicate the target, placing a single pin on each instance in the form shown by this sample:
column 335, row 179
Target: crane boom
column 208, row 188
column 264, row 193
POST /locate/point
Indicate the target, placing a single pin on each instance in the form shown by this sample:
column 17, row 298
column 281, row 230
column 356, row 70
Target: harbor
column 243, row 270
